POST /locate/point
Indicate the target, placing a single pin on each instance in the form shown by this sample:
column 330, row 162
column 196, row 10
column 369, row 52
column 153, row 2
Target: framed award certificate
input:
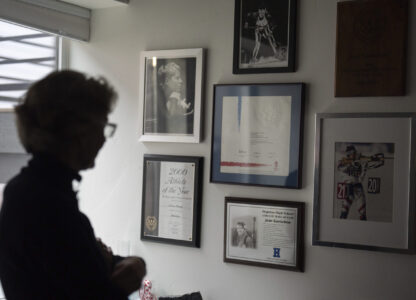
column 257, row 134
column 264, row 233
column 171, row 205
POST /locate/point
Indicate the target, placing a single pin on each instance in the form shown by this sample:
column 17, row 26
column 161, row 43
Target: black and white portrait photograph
column 243, row 232
column 264, row 36
column 171, row 95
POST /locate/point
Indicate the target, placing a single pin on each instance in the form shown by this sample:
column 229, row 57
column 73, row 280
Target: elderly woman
column 47, row 246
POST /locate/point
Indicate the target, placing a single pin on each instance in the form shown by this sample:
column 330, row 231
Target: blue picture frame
column 293, row 160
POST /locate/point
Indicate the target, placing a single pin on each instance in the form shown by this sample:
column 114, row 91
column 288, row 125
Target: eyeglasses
column 109, row 129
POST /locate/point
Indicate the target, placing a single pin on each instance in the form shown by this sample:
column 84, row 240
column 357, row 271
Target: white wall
column 111, row 193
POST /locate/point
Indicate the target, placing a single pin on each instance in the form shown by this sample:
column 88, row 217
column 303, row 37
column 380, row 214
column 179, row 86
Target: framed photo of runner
column 264, row 233
column 364, row 181
column 257, row 134
column 170, row 95
column 264, row 36
column 171, row 202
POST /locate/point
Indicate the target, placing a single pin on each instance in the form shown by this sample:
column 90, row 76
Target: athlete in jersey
column 354, row 170
column 263, row 30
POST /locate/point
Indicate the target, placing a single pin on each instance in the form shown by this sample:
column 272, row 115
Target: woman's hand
column 128, row 274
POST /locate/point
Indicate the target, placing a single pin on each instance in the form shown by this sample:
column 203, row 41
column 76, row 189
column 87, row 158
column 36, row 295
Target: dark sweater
column 47, row 246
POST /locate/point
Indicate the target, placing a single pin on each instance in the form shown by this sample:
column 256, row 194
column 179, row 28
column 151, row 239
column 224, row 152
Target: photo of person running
column 262, row 30
column 265, row 35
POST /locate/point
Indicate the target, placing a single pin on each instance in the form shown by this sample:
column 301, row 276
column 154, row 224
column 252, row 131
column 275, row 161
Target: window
column 26, row 55
column 1, row 293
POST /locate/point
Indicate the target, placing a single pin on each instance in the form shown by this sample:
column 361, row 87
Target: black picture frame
column 271, row 21
column 169, row 196
column 249, row 246
column 385, row 147
column 275, row 160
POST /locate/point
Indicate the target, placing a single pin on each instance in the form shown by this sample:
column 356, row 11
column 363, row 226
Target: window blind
column 26, row 55
column 52, row 16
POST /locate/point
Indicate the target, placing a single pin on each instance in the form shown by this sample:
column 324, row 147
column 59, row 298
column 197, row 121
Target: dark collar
column 48, row 166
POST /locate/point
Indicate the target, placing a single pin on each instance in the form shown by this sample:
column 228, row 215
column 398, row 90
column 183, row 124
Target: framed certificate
column 364, row 181
column 257, row 134
column 171, row 205
column 264, row 233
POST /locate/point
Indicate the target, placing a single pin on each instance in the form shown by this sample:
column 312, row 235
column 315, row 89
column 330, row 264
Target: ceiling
column 95, row 4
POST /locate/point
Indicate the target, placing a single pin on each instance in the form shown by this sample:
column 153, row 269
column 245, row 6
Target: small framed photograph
column 264, row 36
column 171, row 204
column 364, row 183
column 257, row 134
column 170, row 95
column 264, row 233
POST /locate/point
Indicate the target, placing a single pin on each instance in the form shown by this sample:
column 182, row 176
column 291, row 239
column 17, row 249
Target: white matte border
column 198, row 53
column 395, row 130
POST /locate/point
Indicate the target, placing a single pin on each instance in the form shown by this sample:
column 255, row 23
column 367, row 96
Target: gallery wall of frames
column 267, row 144
column 363, row 195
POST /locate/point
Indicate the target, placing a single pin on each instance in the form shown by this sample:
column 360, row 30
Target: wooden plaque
column 371, row 48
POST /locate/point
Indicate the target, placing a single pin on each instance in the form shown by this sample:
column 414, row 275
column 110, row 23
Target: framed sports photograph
column 364, row 181
column 171, row 202
column 257, row 134
column 264, row 36
column 170, row 95
column 264, row 233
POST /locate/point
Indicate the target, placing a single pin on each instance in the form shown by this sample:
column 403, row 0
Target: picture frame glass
column 170, row 95
column 172, row 216
column 363, row 182
column 169, row 101
column 265, row 233
column 257, row 134
column 242, row 233
column 171, row 199
column 264, row 34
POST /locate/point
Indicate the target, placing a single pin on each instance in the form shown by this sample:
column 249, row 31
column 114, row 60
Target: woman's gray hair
column 55, row 105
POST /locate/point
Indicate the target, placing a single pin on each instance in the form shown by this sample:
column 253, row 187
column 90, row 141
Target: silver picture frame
column 372, row 156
